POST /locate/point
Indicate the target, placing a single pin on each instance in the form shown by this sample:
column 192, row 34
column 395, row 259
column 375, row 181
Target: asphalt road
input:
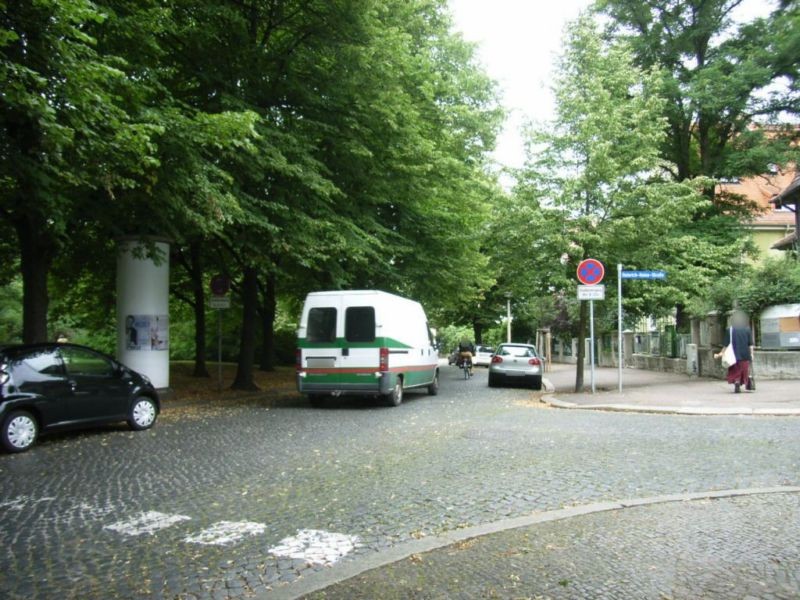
column 224, row 502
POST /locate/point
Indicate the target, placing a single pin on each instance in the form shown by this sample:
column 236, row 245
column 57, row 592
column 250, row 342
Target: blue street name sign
column 644, row 274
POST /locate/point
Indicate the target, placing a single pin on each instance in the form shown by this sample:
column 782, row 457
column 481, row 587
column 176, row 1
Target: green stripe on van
column 342, row 343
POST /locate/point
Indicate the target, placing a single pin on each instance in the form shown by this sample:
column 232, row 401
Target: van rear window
column 321, row 325
column 359, row 324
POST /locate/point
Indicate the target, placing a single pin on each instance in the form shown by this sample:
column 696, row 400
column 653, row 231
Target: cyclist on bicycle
column 466, row 350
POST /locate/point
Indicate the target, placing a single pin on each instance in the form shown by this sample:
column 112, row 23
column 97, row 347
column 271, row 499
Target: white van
column 364, row 342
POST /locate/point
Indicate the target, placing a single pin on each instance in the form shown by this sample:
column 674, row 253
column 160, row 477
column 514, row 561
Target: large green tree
column 595, row 185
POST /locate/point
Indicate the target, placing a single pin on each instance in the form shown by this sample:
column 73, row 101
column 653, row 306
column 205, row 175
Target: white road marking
column 21, row 502
column 316, row 547
column 226, row 532
column 94, row 512
column 17, row 503
column 146, row 522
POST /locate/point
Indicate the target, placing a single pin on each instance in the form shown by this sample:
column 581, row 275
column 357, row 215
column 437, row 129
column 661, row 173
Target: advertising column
column 143, row 308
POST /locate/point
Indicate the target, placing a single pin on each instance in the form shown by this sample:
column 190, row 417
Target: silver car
column 516, row 363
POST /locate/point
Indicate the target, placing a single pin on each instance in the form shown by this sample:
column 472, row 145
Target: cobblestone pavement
column 727, row 548
column 224, row 502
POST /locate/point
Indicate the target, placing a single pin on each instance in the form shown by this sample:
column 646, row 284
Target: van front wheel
column 395, row 397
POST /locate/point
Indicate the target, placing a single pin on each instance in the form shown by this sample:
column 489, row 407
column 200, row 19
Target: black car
column 44, row 387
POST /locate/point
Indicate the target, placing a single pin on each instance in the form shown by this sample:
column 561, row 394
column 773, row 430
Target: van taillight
column 298, row 359
column 384, row 361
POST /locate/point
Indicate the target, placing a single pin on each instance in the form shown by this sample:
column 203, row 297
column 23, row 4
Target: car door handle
column 73, row 385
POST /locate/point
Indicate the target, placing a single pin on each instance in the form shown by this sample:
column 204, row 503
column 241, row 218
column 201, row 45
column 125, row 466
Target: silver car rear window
column 516, row 351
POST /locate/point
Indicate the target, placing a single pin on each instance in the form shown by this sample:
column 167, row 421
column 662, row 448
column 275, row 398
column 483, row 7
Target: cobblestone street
column 226, row 502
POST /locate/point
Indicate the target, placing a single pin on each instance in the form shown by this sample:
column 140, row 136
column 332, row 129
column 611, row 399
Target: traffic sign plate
column 591, row 271
column 219, row 302
column 644, row 274
column 220, row 284
column 591, row 292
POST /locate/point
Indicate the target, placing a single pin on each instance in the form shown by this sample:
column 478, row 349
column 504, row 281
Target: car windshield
column 488, row 349
column 516, row 351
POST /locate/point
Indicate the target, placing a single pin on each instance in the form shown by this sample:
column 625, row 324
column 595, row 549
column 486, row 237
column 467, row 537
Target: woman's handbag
column 728, row 355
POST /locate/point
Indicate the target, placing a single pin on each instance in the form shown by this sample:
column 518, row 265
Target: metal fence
column 661, row 343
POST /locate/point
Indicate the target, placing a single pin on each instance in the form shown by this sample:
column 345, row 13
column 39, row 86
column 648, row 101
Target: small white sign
column 591, row 292
column 219, row 301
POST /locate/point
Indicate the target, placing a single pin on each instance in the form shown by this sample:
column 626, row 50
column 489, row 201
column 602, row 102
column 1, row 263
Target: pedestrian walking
column 740, row 337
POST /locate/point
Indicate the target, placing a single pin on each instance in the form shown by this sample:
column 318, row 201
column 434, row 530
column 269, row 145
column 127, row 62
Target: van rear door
column 321, row 353
column 361, row 351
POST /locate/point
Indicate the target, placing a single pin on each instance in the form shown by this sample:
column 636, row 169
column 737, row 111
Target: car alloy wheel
column 143, row 413
column 20, row 432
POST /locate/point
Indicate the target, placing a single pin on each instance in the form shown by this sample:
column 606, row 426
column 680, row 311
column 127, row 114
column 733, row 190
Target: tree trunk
column 247, row 344
column 477, row 329
column 682, row 322
column 199, row 294
column 35, row 259
column 268, row 310
column 584, row 315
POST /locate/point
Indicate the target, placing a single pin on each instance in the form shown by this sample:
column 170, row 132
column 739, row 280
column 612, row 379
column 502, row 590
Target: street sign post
column 647, row 275
column 219, row 300
column 590, row 273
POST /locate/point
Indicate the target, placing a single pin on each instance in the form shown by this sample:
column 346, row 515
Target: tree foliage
column 293, row 144
column 775, row 281
column 717, row 78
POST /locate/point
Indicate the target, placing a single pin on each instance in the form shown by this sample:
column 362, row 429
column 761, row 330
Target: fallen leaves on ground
column 199, row 397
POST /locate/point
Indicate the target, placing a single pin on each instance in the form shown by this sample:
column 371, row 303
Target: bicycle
column 466, row 365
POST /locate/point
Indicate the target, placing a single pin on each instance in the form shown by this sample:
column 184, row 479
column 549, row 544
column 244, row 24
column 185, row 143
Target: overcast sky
column 519, row 41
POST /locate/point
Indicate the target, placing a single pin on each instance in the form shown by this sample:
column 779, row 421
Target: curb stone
column 322, row 579
column 551, row 400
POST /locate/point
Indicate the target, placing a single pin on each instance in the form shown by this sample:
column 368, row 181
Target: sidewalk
column 650, row 391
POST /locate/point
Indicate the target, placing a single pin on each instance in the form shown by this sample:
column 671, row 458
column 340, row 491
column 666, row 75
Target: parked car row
column 46, row 387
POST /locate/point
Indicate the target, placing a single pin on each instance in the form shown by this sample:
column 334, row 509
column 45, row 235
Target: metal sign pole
column 620, row 353
column 591, row 338
column 219, row 349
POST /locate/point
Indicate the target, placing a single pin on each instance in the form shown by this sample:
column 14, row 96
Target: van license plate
column 313, row 362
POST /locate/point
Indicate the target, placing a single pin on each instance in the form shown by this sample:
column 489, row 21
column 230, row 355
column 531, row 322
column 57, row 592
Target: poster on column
column 147, row 332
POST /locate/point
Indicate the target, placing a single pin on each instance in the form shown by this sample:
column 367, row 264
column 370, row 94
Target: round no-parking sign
column 591, row 271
